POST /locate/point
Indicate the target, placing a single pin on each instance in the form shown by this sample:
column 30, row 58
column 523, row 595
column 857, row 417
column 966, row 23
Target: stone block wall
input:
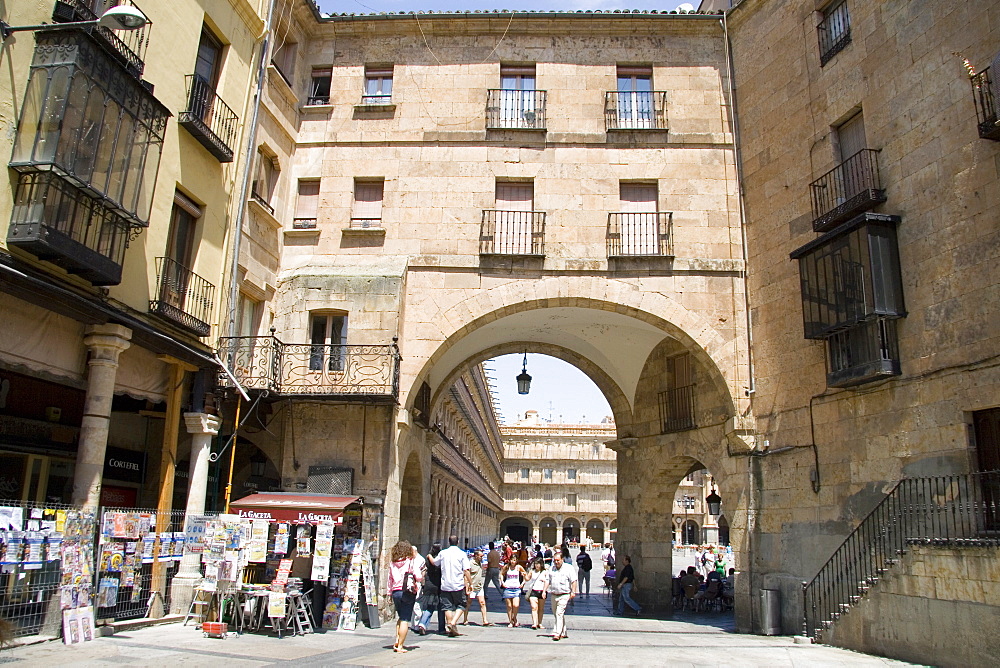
column 937, row 606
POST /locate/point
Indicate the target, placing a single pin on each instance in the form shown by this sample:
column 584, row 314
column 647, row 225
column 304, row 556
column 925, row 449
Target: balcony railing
column 850, row 188
column 512, row 233
column 209, row 119
column 55, row 221
column 640, row 234
column 834, row 32
column 303, row 223
column 677, row 409
column 182, row 296
column 126, row 46
column 317, row 100
column 262, row 201
column 376, row 100
column 515, row 109
column 984, row 94
column 366, row 223
column 289, row 369
column 635, row 110
column 961, row 510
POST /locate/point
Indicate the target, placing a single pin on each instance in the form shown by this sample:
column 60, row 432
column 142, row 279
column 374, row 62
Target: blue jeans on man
column 624, row 597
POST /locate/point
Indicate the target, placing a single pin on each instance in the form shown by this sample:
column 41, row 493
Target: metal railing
column 304, row 223
column 128, row 45
column 983, row 93
column 848, row 189
column 515, row 109
column 266, row 363
column 950, row 510
column 640, row 234
column 512, row 233
column 262, row 201
column 635, row 110
column 677, row 409
column 834, row 32
column 209, row 119
column 316, row 100
column 182, row 296
column 365, row 223
column 376, row 100
column 867, row 351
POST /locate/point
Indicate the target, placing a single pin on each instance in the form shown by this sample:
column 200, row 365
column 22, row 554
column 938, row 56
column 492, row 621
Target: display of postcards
column 117, row 558
column 128, row 577
column 227, row 571
column 145, row 524
column 53, row 547
column 36, row 546
column 216, row 552
column 258, row 530
column 72, row 634
column 13, row 548
column 258, row 551
column 118, row 525
column 86, row 617
column 131, row 546
column 107, row 592
column 281, row 539
column 303, row 541
column 234, row 536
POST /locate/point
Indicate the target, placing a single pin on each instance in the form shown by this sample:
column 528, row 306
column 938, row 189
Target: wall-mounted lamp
column 523, row 379
column 116, row 18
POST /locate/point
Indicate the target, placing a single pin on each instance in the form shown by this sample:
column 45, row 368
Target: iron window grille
column 677, row 401
column 984, row 93
column 209, row 119
column 640, row 234
column 512, row 233
column 126, row 46
column 515, row 109
column 863, row 353
column 848, row 189
column 834, row 31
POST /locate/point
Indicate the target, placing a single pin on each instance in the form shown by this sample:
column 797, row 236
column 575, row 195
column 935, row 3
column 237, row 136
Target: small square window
column 547, row 474
column 834, row 31
column 319, row 87
column 525, row 473
column 378, row 85
column 571, row 474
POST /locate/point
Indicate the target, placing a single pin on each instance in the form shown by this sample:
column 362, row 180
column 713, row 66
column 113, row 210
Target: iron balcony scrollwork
column 306, row 369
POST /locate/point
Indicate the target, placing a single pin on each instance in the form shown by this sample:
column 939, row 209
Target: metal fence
column 640, row 234
column 35, row 537
column 950, row 510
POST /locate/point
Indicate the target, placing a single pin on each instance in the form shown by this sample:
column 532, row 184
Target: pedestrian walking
column 625, row 585
column 512, row 574
column 456, row 583
column 404, row 578
column 493, row 569
column 430, row 597
column 562, row 590
column 537, row 587
column 584, row 564
column 477, row 572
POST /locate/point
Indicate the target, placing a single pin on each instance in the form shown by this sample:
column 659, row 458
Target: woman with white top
column 512, row 575
column 539, row 584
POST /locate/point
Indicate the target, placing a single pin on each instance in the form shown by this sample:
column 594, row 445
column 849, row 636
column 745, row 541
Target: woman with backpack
column 404, row 578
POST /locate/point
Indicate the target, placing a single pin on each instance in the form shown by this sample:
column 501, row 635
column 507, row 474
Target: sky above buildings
column 375, row 6
column 559, row 391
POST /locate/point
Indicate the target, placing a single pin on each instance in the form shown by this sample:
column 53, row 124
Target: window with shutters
column 265, row 179
column 516, row 104
column 319, row 86
column 571, row 500
column 367, row 210
column 571, row 474
column 634, row 105
column 283, row 58
column 677, row 401
column 547, row 474
column 378, row 85
column 306, row 205
column 525, row 473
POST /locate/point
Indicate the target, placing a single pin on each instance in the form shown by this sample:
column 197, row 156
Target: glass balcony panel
column 106, row 145
column 52, row 115
column 120, row 157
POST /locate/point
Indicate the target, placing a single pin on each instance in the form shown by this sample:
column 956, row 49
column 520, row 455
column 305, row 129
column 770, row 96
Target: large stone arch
column 451, row 324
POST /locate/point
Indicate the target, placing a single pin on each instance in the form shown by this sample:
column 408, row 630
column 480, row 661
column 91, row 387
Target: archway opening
column 518, row 529
column 595, row 531
column 411, row 505
column 548, row 532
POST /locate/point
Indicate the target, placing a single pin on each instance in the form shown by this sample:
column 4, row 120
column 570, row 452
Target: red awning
column 284, row 507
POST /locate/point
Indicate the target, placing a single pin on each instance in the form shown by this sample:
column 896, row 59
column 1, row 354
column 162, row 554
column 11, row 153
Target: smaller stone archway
column 595, row 530
column 571, row 530
column 548, row 531
column 412, row 514
column 723, row 530
column 690, row 533
column 517, row 529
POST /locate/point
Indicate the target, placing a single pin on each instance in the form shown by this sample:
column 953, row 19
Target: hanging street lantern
column 714, row 502
column 523, row 379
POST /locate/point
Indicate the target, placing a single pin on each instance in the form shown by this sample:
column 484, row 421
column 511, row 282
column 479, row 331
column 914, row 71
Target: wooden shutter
column 307, row 205
column 638, row 198
column 515, row 197
column 368, row 200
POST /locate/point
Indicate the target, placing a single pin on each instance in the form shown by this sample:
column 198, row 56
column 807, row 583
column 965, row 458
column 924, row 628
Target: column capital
column 202, row 423
column 106, row 342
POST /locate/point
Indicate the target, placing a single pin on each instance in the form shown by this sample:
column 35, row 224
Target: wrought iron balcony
column 304, row 369
column 56, row 221
column 260, row 199
column 182, row 296
column 834, row 32
column 209, row 119
column 984, row 94
column 317, row 100
column 376, row 100
column 126, row 46
column 850, row 188
column 512, row 233
column 640, row 234
column 635, row 110
column 515, row 109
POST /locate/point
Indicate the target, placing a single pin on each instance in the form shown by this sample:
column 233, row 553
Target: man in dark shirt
column 493, row 569
column 626, row 580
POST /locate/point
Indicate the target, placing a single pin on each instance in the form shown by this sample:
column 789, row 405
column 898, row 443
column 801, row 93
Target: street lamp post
column 116, row 18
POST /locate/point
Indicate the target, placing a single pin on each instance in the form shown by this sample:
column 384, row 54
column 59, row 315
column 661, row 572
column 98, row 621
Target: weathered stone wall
column 938, row 605
column 903, row 69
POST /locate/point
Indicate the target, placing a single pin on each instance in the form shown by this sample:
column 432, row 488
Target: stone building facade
column 560, row 482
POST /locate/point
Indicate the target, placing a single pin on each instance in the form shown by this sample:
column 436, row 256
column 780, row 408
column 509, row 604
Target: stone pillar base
column 182, row 592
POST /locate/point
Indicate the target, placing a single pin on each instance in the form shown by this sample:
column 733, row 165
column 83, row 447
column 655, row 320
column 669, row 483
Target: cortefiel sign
column 125, row 465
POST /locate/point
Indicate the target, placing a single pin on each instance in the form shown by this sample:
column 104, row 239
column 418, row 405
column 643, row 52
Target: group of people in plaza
column 706, row 583
column 448, row 581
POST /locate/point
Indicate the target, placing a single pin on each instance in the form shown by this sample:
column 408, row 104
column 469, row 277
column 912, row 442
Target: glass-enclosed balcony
column 126, row 46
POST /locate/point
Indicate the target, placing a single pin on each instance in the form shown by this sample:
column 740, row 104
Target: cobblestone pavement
column 595, row 638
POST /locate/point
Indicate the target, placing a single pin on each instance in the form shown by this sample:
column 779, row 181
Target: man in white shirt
column 456, row 582
column 562, row 590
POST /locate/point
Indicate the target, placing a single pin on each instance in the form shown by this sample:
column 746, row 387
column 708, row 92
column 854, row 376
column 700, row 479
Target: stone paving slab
column 596, row 638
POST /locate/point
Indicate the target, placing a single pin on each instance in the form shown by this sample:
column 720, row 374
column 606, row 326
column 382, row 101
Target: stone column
column 202, row 427
column 105, row 344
